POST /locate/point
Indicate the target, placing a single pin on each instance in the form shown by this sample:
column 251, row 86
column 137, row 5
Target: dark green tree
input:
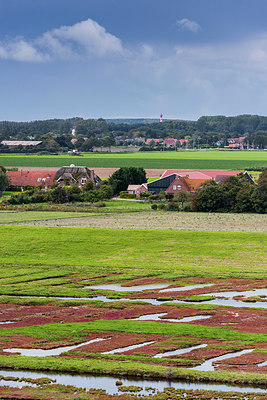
column 4, row 181
column 127, row 176
column 259, row 196
column 209, row 199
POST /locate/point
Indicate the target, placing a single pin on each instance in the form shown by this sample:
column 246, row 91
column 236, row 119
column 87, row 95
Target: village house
column 174, row 181
column 75, row 175
column 31, row 178
column 236, row 143
column 170, row 142
column 156, row 141
column 47, row 178
column 137, row 189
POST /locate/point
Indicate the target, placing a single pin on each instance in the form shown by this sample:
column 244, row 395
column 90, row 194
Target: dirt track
column 101, row 172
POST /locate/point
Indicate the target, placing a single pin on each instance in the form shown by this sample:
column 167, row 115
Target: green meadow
column 169, row 254
column 213, row 159
column 75, row 331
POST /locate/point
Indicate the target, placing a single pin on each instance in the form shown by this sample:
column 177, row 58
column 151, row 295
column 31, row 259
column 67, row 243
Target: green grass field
column 134, row 252
column 212, row 159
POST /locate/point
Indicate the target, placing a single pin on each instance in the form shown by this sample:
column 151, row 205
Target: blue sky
column 132, row 58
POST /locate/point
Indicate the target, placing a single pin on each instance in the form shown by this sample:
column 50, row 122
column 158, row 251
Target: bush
column 93, row 196
column 169, row 196
column 161, row 206
column 125, row 195
column 154, row 206
column 74, row 193
column 156, row 197
column 173, row 206
column 19, row 199
column 145, row 195
column 38, row 197
column 59, row 195
column 187, row 207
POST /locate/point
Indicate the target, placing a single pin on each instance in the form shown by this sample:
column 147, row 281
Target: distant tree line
column 207, row 131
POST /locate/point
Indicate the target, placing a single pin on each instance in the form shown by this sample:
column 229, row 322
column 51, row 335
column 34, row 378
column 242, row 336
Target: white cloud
column 187, row 24
column 86, row 38
column 90, row 36
column 20, row 50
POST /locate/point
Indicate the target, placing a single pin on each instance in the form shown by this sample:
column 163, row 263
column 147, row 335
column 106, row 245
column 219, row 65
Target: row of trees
column 206, row 131
column 234, row 195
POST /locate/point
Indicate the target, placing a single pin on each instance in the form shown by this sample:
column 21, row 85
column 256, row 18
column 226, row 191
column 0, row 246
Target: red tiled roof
column 31, row 178
column 182, row 141
column 155, row 140
column 170, row 141
column 200, row 174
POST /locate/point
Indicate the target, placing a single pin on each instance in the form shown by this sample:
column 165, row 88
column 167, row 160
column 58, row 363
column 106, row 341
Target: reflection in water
column 109, row 383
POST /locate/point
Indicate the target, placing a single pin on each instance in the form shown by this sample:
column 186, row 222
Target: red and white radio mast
column 160, row 117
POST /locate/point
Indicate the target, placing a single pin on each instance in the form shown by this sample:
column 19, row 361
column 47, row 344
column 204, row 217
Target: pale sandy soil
column 102, row 172
column 165, row 221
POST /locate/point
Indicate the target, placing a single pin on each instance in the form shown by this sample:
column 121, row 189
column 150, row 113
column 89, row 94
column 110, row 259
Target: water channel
column 157, row 317
column 109, row 382
column 51, row 352
column 208, row 365
column 220, row 301
column 179, row 351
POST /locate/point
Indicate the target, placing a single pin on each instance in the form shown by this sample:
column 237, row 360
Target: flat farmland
column 221, row 253
column 139, row 216
column 210, row 159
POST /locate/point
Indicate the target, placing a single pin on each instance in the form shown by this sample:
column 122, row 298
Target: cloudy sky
column 132, row 58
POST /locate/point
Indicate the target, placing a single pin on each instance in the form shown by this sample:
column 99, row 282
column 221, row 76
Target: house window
column 179, row 187
column 133, row 191
column 83, row 181
column 174, row 187
column 39, row 180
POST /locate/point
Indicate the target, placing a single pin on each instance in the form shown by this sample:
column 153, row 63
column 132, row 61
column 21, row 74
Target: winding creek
column 109, row 382
column 220, row 301
column 208, row 365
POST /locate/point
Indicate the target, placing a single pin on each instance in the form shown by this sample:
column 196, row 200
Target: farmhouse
column 173, row 181
column 31, row 178
column 46, row 178
column 137, row 189
column 75, row 175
